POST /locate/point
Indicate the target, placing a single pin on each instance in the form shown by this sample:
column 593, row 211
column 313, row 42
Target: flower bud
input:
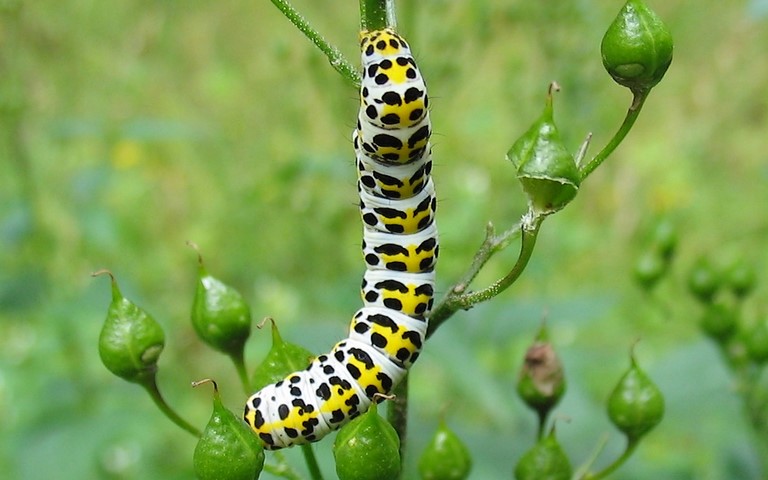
column 446, row 457
column 227, row 450
column 546, row 460
column 220, row 315
column 636, row 405
column 541, row 383
column 367, row 448
column 282, row 359
column 637, row 47
column 545, row 168
column 131, row 340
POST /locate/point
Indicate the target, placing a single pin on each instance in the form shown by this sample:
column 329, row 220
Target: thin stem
column 335, row 57
column 638, row 99
column 542, row 414
column 311, row 461
column 282, row 469
column 583, row 470
column 239, row 360
column 628, row 451
column 154, row 392
column 397, row 414
column 377, row 14
column 456, row 299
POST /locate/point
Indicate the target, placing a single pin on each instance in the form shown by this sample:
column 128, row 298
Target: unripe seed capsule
column 227, row 450
column 636, row 405
column 757, row 340
column 367, row 448
column 704, row 280
column 741, row 278
column 546, row 460
column 282, row 359
column 131, row 341
column 446, row 457
column 719, row 321
column 637, row 47
column 649, row 269
column 220, row 315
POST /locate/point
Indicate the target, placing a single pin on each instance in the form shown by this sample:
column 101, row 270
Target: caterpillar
column 400, row 249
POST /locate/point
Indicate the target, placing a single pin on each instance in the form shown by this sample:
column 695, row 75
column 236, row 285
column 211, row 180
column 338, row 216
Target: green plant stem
column 282, row 469
column 457, row 299
column 335, row 57
column 377, row 14
column 628, row 451
column 397, row 414
column 154, row 392
column 311, row 461
column 239, row 360
column 638, row 100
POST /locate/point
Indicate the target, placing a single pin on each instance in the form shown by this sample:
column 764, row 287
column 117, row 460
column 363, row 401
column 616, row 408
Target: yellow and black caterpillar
column 400, row 248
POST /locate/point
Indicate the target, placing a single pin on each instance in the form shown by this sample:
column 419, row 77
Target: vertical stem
column 377, row 14
column 239, row 360
column 309, row 458
column 397, row 414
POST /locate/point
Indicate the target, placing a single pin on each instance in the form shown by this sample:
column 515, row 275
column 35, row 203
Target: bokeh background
column 129, row 127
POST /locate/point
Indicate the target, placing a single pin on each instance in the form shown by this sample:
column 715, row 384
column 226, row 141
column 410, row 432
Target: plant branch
column 239, row 360
column 457, row 299
column 397, row 414
column 628, row 451
column 311, row 461
column 638, row 100
column 335, row 57
column 377, row 14
column 157, row 397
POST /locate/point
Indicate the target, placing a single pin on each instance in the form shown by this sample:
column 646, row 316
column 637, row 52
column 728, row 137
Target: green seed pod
column 220, row 315
column 719, row 321
column 541, row 383
column 741, row 278
column 636, row 405
column 446, row 457
column 545, row 461
column 704, row 280
column 665, row 239
column 227, row 450
column 131, row 340
column 367, row 448
column 649, row 269
column 282, row 359
column 756, row 340
column 545, row 168
column 637, row 47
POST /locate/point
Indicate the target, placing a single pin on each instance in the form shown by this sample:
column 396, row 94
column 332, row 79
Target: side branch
column 335, row 57
column 458, row 298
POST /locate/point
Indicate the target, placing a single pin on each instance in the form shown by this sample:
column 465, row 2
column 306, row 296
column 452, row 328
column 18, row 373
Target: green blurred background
column 129, row 127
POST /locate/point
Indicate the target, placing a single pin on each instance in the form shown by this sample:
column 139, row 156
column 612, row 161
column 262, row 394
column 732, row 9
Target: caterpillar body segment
column 400, row 250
